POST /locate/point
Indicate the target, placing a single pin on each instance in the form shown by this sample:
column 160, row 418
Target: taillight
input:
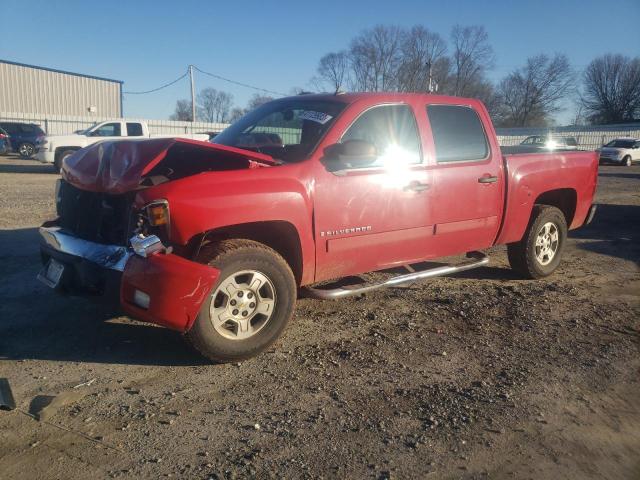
column 2, row 135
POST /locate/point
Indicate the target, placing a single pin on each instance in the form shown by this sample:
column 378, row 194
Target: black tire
column 231, row 257
column 522, row 255
column 626, row 161
column 57, row 163
column 26, row 150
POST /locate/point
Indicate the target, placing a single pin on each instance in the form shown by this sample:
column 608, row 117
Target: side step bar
column 478, row 259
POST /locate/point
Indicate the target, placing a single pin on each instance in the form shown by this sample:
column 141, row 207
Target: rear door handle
column 417, row 187
column 488, row 179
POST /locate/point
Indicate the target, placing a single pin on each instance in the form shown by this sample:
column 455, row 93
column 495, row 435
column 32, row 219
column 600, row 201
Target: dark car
column 4, row 142
column 23, row 137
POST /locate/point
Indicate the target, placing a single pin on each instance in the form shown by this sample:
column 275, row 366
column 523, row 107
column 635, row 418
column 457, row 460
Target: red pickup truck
column 215, row 239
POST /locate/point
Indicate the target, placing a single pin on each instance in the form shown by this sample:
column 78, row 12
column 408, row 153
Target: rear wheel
column 26, row 150
column 539, row 252
column 626, row 161
column 250, row 305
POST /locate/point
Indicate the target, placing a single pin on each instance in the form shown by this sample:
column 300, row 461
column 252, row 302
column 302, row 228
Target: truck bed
column 519, row 149
column 538, row 177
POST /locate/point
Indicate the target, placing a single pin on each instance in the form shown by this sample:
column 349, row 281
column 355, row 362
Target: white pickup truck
column 54, row 148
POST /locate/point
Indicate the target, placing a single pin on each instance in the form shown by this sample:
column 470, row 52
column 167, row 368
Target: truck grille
column 94, row 216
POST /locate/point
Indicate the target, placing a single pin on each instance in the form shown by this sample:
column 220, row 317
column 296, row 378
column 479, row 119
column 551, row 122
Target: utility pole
column 193, row 95
column 430, row 87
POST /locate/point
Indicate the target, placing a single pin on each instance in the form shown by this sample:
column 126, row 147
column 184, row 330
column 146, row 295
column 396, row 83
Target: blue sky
column 276, row 45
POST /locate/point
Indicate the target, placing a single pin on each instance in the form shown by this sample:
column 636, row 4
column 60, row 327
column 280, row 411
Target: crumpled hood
column 117, row 166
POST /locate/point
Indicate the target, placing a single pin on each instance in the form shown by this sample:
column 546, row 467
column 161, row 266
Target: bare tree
column 333, row 70
column 236, row 113
column 532, row 93
column 257, row 100
column 422, row 52
column 579, row 118
column 214, row 105
column 374, row 57
column 611, row 90
column 485, row 91
column 182, row 111
column 471, row 57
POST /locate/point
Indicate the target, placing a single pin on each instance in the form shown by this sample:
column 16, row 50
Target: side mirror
column 350, row 154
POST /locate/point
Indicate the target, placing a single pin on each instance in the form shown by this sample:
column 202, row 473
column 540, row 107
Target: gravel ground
column 481, row 375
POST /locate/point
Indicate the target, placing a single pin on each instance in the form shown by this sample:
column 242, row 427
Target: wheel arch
column 280, row 235
column 564, row 199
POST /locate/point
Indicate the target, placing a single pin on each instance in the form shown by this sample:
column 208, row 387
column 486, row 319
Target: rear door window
column 134, row 129
column 458, row 134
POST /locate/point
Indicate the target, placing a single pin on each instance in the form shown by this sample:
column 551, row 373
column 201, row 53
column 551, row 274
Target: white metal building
column 39, row 90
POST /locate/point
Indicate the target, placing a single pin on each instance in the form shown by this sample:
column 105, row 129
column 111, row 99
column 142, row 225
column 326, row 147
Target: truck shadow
column 36, row 323
column 614, row 231
column 620, row 175
column 36, row 167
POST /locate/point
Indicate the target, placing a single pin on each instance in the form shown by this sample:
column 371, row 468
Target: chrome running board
column 478, row 259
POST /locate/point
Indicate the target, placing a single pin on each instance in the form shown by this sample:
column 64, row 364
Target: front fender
column 214, row 200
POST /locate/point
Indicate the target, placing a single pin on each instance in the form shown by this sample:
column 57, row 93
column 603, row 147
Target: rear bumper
column 175, row 287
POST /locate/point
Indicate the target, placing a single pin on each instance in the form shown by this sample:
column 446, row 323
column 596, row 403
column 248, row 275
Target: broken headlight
column 154, row 219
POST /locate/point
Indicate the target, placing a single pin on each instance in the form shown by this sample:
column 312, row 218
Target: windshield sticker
column 318, row 117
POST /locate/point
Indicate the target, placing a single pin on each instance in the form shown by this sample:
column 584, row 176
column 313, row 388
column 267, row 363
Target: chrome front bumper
column 112, row 257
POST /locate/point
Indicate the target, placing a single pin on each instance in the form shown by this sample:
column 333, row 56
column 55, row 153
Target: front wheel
column 250, row 305
column 26, row 150
column 539, row 252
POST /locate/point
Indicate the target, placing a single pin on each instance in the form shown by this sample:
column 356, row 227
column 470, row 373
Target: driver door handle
column 417, row 187
column 488, row 179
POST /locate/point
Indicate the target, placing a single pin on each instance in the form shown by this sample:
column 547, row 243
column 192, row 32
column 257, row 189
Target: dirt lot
column 481, row 375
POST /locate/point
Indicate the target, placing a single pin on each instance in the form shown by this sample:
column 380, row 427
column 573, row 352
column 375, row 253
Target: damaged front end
column 107, row 245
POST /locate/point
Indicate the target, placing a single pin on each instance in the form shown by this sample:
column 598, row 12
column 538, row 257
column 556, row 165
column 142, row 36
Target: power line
column 159, row 88
column 239, row 83
column 253, row 87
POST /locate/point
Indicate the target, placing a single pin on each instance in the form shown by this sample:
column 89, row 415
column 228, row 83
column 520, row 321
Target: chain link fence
column 589, row 138
column 65, row 124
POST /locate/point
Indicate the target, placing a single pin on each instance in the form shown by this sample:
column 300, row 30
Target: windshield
column 535, row 140
column 288, row 130
column 620, row 143
column 86, row 130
